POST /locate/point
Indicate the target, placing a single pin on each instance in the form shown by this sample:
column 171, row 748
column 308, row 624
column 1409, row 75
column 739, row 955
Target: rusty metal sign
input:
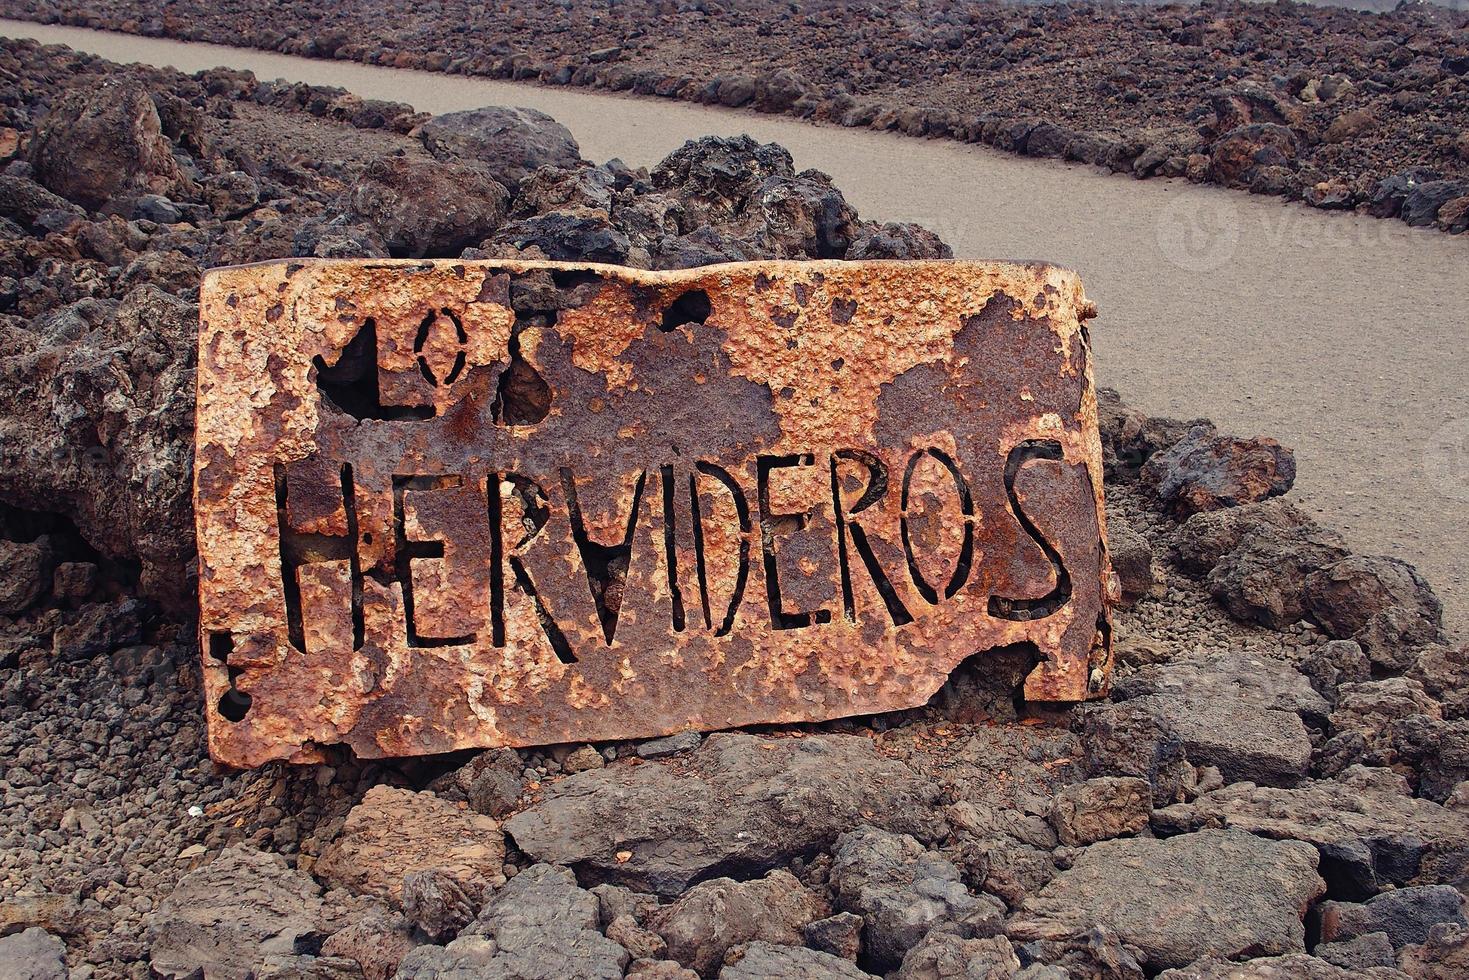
column 451, row 504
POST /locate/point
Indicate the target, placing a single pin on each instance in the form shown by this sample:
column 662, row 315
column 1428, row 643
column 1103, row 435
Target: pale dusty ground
column 1345, row 337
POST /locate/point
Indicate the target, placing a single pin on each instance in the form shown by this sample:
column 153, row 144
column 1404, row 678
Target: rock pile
column 1338, row 108
column 1279, row 779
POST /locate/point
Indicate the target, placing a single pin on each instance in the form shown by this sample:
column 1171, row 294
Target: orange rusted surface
column 451, row 504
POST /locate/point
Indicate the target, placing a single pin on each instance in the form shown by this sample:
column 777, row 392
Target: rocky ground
column 1280, row 776
column 1335, row 107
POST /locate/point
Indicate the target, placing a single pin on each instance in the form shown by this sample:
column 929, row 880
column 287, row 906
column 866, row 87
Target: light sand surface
column 1343, row 336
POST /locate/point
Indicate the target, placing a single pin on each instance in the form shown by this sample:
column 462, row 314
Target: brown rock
column 1216, row 892
column 1100, row 809
column 97, row 144
column 394, row 832
column 424, row 207
column 376, row 939
column 715, row 915
column 1347, row 596
column 1205, row 471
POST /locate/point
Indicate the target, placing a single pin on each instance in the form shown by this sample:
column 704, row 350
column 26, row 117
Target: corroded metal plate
column 450, row 504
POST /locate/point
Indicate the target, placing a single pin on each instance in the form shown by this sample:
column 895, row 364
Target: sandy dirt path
column 1345, row 337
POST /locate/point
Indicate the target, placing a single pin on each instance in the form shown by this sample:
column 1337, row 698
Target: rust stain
column 453, row 504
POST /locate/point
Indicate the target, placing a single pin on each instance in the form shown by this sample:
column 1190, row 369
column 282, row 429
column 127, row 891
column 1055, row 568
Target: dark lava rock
column 33, row 955
column 764, row 961
column 1206, row 471
column 839, row 935
column 739, row 805
column 1263, row 579
column 1295, row 966
column 376, row 939
column 1443, row 671
column 509, row 142
column 1206, row 537
column 1405, row 915
column 1132, row 560
column 897, row 240
column 577, row 233
column 1132, row 739
column 1369, row 830
column 657, row 748
column 24, row 201
column 717, row 175
column 98, row 144
column 1217, row 892
column 1422, row 203
column 1363, row 952
column 1443, row 956
column 1352, row 596
column 228, row 915
column 427, row 208
column 715, row 915
column 942, row 955
column 1238, row 714
column 902, row 891
column 97, row 628
column 1101, row 808
column 539, row 925
column 438, row 903
column 25, row 574
column 1239, row 156
column 130, row 498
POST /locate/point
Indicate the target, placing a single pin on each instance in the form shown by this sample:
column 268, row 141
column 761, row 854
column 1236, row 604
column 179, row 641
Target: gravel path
column 1342, row 336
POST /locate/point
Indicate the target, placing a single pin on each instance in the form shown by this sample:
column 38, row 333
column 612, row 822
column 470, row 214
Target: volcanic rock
column 394, row 832
column 33, row 955
column 896, row 240
column 1216, row 892
column 1443, row 956
column 1240, row 715
column 640, row 943
column 1206, row 471
column 509, row 142
column 98, row 144
column 438, row 903
column 1133, row 739
column 942, row 955
column 1238, row 158
column 765, row 961
column 1444, row 673
column 426, row 208
column 1132, row 560
column 1370, row 832
column 1101, row 808
column 839, row 935
column 1263, row 579
column 1365, row 951
column 903, row 891
column 739, row 805
column 25, row 574
column 228, row 915
column 1206, row 537
column 376, row 939
column 130, row 495
column 714, row 915
column 1405, row 915
column 1360, row 595
column 1295, row 966
column 538, row 927
column 24, row 201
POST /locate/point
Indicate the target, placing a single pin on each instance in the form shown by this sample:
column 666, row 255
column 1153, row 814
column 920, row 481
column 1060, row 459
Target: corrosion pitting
column 454, row 504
